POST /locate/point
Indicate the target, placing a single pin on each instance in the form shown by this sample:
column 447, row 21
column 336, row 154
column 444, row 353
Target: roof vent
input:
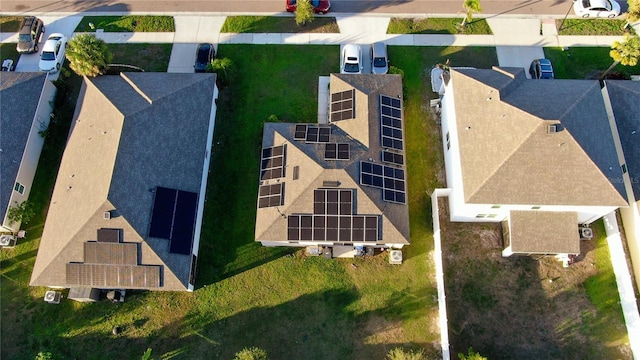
column 552, row 129
column 107, row 215
column 331, row 183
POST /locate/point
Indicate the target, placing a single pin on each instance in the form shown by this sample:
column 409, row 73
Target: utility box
column 395, row 257
column 84, row 294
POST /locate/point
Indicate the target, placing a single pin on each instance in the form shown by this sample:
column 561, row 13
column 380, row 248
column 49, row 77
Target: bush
column 22, row 213
column 225, row 69
column 254, row 353
column 402, row 354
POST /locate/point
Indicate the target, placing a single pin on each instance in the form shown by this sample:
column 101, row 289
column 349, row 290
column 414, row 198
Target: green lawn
column 149, row 57
column 278, row 24
column 10, row 23
column 583, row 62
column 438, row 26
column 129, row 23
column 592, row 27
column 8, row 51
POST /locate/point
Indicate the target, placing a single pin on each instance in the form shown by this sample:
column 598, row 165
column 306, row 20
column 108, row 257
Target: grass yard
column 592, row 27
column 437, row 26
column 128, row 23
column 521, row 308
column 584, row 62
column 149, row 57
column 8, row 51
column 278, row 24
column 10, row 23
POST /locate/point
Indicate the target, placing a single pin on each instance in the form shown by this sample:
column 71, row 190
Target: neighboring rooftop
column 19, row 98
column 551, row 137
column 137, row 149
column 624, row 97
column 330, row 182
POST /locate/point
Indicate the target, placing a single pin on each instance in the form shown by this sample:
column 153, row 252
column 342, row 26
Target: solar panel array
column 271, row 195
column 343, row 105
column 111, row 253
column 312, row 133
column 173, row 218
column 391, row 122
column 392, row 158
column 273, row 162
column 333, row 219
column 333, row 151
column 391, row 180
column 113, row 276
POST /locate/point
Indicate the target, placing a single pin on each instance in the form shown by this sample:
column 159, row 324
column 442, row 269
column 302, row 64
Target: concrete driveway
column 518, row 56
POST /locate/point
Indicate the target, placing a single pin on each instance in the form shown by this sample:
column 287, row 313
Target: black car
column 205, row 53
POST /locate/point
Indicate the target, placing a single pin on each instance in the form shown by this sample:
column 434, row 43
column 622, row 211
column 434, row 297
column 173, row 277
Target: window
column 19, row 188
column 624, row 168
column 495, row 207
column 481, row 216
column 535, row 208
column 448, row 141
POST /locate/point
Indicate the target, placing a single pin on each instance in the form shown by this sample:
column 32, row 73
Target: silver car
column 379, row 58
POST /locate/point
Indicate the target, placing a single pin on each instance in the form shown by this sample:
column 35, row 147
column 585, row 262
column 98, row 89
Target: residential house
column 342, row 184
column 538, row 156
column 127, row 207
column 25, row 111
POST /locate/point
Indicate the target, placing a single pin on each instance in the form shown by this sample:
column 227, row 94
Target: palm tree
column 624, row 52
column 471, row 6
column 633, row 12
column 88, row 55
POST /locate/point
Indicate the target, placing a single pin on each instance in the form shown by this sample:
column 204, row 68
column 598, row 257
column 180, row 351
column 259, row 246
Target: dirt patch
column 518, row 307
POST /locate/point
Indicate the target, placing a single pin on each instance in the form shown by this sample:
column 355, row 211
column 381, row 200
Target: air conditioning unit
column 5, row 240
column 586, row 233
column 395, row 257
column 52, row 297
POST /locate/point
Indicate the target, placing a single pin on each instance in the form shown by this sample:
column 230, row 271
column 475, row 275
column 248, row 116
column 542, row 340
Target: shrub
column 225, row 69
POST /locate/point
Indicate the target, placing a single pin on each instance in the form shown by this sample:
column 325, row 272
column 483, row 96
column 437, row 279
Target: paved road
column 397, row 7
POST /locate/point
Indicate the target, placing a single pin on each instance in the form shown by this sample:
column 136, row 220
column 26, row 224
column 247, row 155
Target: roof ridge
column 579, row 99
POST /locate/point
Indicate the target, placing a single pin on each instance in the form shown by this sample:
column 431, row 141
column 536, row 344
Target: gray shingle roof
column 625, row 101
column 120, row 149
column 19, row 97
column 505, row 147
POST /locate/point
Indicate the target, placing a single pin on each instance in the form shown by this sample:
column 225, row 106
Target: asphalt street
column 556, row 8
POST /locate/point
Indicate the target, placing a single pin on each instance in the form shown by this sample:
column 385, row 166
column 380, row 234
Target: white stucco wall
column 631, row 221
column 33, row 148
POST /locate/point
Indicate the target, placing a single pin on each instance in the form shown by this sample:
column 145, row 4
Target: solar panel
column 333, row 151
column 273, row 162
column 318, row 134
column 343, row 105
column 164, row 203
column 113, row 276
column 392, row 158
column 391, row 122
column 300, row 132
column 391, row 180
column 110, row 253
column 184, row 223
column 271, row 195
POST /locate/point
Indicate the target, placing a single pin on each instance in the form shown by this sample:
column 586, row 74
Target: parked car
column 596, row 8
column 351, row 60
column 319, row 6
column 379, row 58
column 205, row 53
column 29, row 35
column 7, row 65
column 541, row 69
column 52, row 56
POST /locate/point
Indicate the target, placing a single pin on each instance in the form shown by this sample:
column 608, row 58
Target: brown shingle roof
column 363, row 135
column 544, row 232
column 122, row 147
column 505, row 148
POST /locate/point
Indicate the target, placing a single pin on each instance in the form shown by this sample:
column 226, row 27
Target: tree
column 399, row 353
column 304, row 12
column 471, row 7
column 471, row 355
column 88, row 55
column 624, row 52
column 226, row 70
column 21, row 213
column 633, row 12
column 253, row 353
